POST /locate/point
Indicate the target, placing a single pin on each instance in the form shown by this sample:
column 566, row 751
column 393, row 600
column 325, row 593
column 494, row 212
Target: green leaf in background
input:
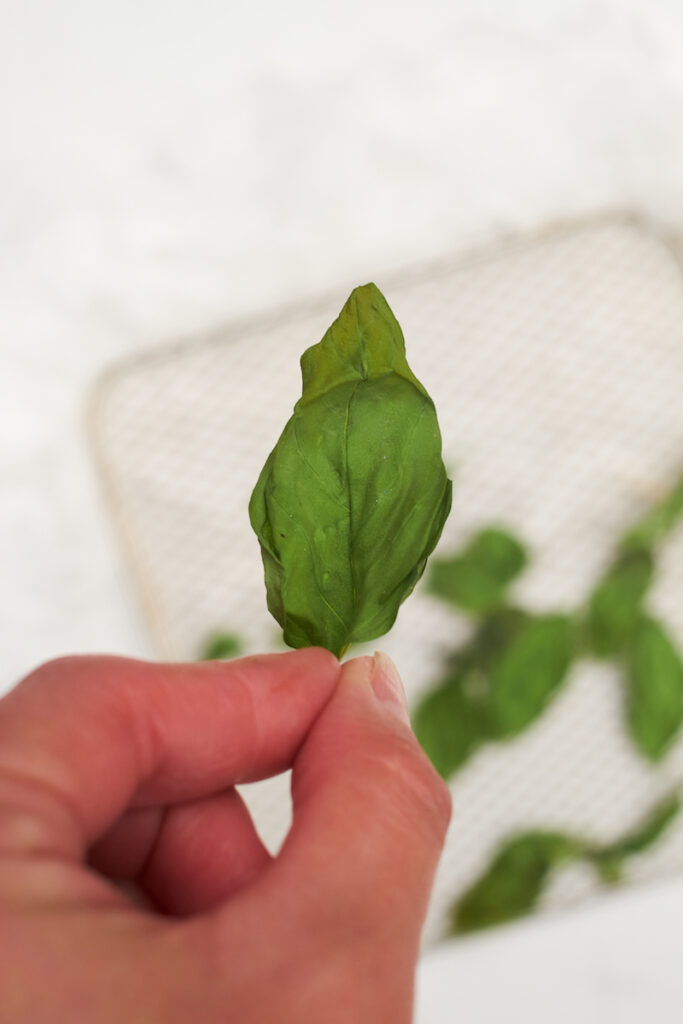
column 496, row 685
column 523, row 864
column 615, row 604
column 353, row 498
column 512, row 884
column 451, row 722
column 530, row 671
column 609, row 860
column 477, row 578
column 495, row 635
column 654, row 689
column 454, row 719
column 221, row 645
column 665, row 515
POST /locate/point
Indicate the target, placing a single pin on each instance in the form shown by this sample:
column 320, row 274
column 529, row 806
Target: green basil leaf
column 495, row 636
column 353, row 498
column 658, row 522
column 609, row 859
column 221, row 645
column 477, row 578
column 530, row 671
column 654, row 689
column 650, row 829
column 514, row 881
column 616, row 602
column 452, row 721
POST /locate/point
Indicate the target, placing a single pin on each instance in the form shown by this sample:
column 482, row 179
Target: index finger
column 83, row 738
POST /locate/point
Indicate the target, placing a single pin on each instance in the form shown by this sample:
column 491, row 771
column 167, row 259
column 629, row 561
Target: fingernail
column 387, row 686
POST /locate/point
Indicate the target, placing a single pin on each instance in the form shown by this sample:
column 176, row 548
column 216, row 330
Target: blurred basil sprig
column 495, row 686
column 504, row 676
column 515, row 662
column 617, row 624
column 524, row 864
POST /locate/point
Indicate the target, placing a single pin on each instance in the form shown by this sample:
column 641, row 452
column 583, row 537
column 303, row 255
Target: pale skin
column 117, row 769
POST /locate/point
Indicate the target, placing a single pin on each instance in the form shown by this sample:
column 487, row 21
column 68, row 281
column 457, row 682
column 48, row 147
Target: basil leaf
column 496, row 685
column 530, row 671
column 615, row 604
column 609, row 860
column 514, row 881
column 654, row 689
column 451, row 722
column 353, row 498
column 221, row 645
column 495, row 636
column 650, row 829
column 658, row 522
column 478, row 577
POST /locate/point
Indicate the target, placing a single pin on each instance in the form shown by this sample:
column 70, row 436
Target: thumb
column 370, row 814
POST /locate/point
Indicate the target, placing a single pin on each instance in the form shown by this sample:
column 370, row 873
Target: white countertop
column 167, row 166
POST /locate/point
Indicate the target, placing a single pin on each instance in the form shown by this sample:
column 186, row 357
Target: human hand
column 112, row 768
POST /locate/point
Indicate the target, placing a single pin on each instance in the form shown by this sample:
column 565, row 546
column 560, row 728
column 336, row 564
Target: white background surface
column 167, row 166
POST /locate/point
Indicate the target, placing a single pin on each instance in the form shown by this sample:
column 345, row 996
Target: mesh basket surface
column 556, row 365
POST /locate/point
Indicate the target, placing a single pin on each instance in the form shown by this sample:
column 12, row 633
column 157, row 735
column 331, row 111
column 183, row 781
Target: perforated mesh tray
column 556, row 366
